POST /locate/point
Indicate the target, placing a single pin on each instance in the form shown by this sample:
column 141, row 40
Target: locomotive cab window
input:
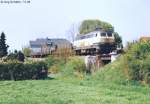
column 103, row 34
column 109, row 34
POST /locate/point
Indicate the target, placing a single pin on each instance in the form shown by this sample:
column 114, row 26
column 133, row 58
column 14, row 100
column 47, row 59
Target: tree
column 26, row 51
column 118, row 40
column 16, row 55
column 91, row 25
column 3, row 45
column 73, row 31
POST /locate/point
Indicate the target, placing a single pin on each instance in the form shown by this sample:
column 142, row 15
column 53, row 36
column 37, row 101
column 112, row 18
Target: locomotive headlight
column 107, row 40
column 82, row 44
column 102, row 40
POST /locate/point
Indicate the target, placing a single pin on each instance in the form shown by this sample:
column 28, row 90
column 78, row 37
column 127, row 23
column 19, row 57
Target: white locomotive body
column 94, row 42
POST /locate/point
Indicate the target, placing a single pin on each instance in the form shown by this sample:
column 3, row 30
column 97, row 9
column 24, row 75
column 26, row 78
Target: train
column 96, row 42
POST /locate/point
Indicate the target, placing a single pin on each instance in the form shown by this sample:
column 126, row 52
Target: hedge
column 23, row 71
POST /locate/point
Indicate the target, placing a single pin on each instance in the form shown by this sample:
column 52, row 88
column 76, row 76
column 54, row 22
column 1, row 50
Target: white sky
column 52, row 18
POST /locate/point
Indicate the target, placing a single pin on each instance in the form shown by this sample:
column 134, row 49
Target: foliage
column 91, row 25
column 108, row 86
column 3, row 45
column 74, row 66
column 20, row 56
column 118, row 40
column 113, row 72
column 26, row 51
column 55, row 64
column 54, row 69
column 50, row 61
column 138, row 58
column 14, row 70
column 17, row 55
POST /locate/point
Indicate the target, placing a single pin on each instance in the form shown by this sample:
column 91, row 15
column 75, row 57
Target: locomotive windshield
column 103, row 34
column 109, row 34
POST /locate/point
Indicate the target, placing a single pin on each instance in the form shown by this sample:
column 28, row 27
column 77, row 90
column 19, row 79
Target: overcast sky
column 52, row 18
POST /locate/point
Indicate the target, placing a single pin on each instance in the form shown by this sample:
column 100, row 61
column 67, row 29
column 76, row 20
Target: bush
column 54, row 69
column 50, row 61
column 23, row 71
column 17, row 55
column 75, row 66
column 134, row 72
column 146, row 70
column 138, row 59
column 55, row 64
column 27, row 51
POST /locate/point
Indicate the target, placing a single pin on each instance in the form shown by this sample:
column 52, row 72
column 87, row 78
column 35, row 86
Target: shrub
column 77, row 64
column 27, row 51
column 50, row 61
column 146, row 69
column 74, row 66
column 134, row 72
column 55, row 64
column 138, row 59
column 23, row 71
column 54, row 69
column 17, row 55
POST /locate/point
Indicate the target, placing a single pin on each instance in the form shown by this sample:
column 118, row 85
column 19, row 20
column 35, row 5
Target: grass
column 108, row 86
column 71, row 91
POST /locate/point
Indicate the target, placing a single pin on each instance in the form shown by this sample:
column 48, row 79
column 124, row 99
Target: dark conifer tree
column 3, row 45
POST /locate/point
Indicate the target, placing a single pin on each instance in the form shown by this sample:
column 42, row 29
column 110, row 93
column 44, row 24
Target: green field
column 71, row 92
column 108, row 86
